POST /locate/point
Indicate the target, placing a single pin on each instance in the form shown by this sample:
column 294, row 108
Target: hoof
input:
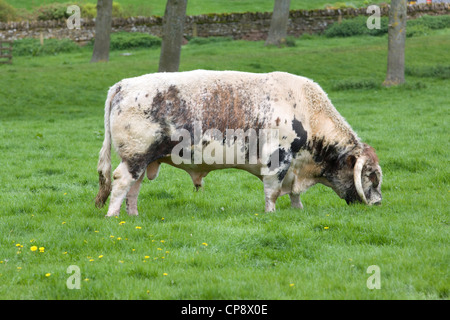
column 112, row 214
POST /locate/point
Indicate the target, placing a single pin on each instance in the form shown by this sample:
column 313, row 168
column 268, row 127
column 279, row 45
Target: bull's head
column 358, row 177
column 367, row 177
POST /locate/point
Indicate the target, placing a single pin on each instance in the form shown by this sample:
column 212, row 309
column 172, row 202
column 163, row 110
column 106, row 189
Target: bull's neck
column 331, row 142
column 330, row 132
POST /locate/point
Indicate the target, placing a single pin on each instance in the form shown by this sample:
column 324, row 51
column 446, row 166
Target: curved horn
column 357, row 178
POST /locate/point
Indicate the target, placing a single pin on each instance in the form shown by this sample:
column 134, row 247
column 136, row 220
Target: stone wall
column 247, row 26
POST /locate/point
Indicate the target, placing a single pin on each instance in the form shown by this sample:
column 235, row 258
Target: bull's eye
column 374, row 179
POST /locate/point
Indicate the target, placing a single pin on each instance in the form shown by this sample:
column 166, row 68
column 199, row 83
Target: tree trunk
column 278, row 23
column 173, row 26
column 396, row 44
column 102, row 31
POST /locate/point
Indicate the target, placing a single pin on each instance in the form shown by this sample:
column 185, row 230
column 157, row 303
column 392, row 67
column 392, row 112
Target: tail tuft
column 104, row 190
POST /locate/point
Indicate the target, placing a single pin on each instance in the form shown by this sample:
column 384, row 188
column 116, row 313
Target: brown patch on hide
column 227, row 107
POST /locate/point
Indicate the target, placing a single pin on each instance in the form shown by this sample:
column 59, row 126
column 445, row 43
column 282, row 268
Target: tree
column 278, row 23
column 102, row 31
column 396, row 43
column 173, row 27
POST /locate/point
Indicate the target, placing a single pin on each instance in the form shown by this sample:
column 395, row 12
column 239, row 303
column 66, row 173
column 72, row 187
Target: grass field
column 157, row 7
column 218, row 243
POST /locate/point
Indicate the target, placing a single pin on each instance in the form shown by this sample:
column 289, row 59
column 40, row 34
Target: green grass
column 199, row 6
column 51, row 129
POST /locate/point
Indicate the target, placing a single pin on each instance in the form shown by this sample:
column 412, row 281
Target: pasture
column 218, row 243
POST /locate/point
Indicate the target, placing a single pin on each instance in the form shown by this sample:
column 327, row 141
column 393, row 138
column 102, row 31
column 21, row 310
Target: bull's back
column 147, row 109
column 217, row 99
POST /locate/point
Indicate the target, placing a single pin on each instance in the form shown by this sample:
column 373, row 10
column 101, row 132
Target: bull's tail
column 104, row 161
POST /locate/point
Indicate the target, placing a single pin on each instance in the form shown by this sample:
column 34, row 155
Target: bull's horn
column 357, row 178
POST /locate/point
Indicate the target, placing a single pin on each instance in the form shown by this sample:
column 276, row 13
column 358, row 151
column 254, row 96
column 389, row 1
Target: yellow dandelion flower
column 159, row 249
column 162, row 241
column 119, row 238
column 164, row 274
column 33, row 248
column 147, row 257
column 65, row 252
column 205, row 244
column 48, row 274
column 100, row 256
column 18, row 244
column 111, row 236
column 326, row 228
column 162, row 218
column 41, row 249
column 122, row 222
column 291, row 284
column 138, row 228
column 63, row 222
column 90, row 260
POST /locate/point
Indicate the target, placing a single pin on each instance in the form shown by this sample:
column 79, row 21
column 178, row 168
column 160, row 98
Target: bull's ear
column 350, row 161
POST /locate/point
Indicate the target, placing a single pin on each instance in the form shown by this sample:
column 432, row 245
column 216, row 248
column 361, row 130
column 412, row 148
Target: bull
column 314, row 143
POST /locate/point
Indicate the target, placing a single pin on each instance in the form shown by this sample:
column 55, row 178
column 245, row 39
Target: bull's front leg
column 272, row 190
column 275, row 172
column 295, row 201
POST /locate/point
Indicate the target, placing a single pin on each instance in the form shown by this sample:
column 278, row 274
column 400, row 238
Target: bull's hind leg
column 152, row 173
column 123, row 181
column 132, row 197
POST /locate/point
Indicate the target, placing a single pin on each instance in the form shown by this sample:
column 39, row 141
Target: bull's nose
column 378, row 203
